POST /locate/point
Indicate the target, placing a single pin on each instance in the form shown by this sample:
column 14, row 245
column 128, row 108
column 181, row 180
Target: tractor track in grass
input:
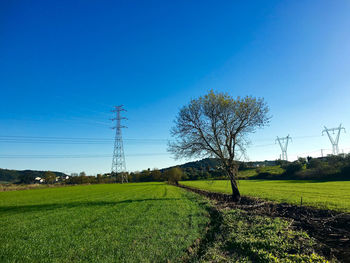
column 331, row 229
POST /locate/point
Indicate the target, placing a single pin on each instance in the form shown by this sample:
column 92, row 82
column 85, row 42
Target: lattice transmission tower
column 283, row 142
column 118, row 162
column 335, row 140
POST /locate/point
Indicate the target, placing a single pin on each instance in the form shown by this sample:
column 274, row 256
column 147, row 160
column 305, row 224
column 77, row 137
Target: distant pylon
column 334, row 141
column 283, row 142
column 118, row 162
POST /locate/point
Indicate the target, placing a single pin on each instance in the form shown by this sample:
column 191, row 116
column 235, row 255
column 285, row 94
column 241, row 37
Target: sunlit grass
column 273, row 170
column 331, row 195
column 145, row 222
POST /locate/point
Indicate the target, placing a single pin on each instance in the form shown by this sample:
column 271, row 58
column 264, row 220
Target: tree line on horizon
column 327, row 168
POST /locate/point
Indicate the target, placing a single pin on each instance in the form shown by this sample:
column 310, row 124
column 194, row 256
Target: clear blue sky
column 64, row 64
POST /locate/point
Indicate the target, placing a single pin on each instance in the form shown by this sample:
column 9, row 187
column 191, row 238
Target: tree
column 49, row 177
column 156, row 175
column 25, row 178
column 293, row 167
column 314, row 163
column 174, row 175
column 302, row 160
column 99, row 178
column 217, row 125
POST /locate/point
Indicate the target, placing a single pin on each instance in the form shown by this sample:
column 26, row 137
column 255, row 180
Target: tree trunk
column 236, row 195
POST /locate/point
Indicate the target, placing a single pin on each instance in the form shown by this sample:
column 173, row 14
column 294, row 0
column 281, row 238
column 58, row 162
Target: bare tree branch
column 217, row 125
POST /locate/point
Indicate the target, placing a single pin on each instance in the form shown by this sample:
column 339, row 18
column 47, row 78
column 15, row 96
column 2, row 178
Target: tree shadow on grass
column 46, row 207
column 214, row 231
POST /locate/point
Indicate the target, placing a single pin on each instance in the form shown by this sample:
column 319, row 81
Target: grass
column 320, row 194
column 247, row 173
column 241, row 237
column 273, row 170
column 139, row 222
column 143, row 222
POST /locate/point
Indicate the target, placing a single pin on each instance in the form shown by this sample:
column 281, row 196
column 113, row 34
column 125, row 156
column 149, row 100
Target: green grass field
column 143, row 222
column 242, row 237
column 331, row 195
column 273, row 170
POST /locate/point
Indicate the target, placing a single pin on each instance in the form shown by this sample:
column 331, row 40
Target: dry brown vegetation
column 16, row 187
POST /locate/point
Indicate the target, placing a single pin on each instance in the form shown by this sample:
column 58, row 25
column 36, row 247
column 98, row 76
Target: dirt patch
column 330, row 228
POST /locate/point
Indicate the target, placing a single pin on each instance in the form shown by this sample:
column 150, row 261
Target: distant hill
column 17, row 176
column 209, row 164
column 260, row 163
column 210, row 168
column 204, row 164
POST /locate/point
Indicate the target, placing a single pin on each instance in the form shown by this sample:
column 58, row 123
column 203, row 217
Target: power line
column 260, row 145
column 73, row 140
column 67, row 156
column 76, row 142
column 92, row 140
column 101, row 141
column 109, row 139
column 13, row 137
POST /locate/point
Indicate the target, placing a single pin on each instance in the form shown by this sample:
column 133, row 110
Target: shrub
column 174, row 175
column 314, row 163
column 292, row 168
column 264, row 175
column 346, row 170
column 302, row 160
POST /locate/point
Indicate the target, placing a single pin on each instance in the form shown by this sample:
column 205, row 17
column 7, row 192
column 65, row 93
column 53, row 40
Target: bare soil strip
column 330, row 228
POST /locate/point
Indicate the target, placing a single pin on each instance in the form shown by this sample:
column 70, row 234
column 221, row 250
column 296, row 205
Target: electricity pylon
column 118, row 162
column 334, row 141
column 283, row 142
